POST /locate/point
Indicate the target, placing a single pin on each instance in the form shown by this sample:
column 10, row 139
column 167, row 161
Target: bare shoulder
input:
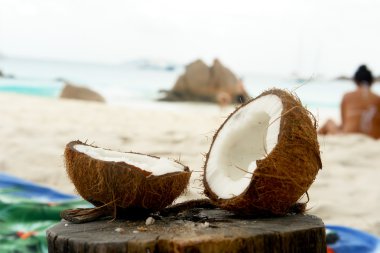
column 349, row 96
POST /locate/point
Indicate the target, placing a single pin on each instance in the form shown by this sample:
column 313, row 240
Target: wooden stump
column 195, row 230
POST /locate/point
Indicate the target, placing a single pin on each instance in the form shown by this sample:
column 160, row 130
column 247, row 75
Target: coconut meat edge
column 157, row 166
column 249, row 135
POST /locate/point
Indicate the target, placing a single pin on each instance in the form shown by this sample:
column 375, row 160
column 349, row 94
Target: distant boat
column 301, row 79
column 160, row 65
column 343, row 78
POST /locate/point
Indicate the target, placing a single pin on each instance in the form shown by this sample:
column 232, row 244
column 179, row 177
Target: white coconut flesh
column 250, row 134
column 157, row 166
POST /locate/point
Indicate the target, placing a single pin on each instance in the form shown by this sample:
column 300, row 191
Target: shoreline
column 35, row 130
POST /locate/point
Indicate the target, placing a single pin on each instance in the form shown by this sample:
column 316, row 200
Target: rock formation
column 211, row 84
column 82, row 93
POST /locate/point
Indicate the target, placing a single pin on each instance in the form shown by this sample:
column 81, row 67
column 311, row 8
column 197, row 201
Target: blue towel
column 352, row 240
column 25, row 189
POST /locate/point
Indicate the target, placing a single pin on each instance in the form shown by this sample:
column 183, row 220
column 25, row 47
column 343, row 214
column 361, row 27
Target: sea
column 139, row 82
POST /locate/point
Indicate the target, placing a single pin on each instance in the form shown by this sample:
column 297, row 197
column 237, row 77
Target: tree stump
column 194, row 230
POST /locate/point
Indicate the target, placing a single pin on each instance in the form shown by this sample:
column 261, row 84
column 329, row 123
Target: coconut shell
column 286, row 173
column 120, row 185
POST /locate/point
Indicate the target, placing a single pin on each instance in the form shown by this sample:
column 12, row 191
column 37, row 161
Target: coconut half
column 130, row 181
column 264, row 157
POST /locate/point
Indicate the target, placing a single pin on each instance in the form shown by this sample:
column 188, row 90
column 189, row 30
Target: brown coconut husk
column 286, row 173
column 119, row 187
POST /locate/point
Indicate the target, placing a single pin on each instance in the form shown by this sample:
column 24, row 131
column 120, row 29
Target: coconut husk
column 122, row 187
column 286, row 173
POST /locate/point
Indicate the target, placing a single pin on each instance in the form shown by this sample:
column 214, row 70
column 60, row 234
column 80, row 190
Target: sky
column 304, row 37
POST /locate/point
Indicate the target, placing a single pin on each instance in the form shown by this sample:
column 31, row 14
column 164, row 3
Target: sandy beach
column 34, row 132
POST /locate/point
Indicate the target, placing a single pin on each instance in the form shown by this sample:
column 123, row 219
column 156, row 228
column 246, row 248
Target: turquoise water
column 117, row 83
column 25, row 88
column 126, row 83
column 38, row 91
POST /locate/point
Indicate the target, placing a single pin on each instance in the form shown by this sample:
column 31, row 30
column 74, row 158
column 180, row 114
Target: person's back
column 361, row 112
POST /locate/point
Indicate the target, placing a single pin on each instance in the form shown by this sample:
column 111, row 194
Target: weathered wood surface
column 195, row 230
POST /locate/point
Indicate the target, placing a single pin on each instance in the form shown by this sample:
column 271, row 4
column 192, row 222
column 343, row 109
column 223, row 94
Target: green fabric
column 23, row 222
column 11, row 241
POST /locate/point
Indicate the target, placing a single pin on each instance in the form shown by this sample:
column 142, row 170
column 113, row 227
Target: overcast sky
column 304, row 36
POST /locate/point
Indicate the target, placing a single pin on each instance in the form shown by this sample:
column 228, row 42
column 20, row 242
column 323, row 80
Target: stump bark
column 194, row 230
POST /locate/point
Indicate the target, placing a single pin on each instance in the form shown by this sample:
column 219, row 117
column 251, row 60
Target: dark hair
column 363, row 76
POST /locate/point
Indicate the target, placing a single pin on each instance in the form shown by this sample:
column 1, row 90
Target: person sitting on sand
column 360, row 109
column 223, row 99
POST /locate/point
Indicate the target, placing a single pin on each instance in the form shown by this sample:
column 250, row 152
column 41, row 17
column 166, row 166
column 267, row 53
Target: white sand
column 34, row 132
